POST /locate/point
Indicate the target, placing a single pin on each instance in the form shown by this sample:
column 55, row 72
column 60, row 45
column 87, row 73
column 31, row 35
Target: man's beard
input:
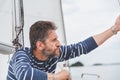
column 48, row 53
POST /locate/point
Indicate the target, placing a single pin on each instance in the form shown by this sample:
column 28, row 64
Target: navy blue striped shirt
column 25, row 66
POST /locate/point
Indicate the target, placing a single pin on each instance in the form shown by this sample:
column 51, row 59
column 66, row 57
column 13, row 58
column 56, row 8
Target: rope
column 66, row 62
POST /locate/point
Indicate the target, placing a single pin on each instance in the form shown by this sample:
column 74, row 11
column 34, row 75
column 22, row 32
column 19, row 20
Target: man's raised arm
column 102, row 37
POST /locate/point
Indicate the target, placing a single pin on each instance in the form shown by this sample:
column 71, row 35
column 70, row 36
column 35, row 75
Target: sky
column 84, row 18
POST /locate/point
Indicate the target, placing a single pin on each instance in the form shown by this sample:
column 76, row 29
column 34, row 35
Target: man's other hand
column 62, row 75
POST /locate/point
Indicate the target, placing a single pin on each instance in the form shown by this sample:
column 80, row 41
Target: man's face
column 51, row 44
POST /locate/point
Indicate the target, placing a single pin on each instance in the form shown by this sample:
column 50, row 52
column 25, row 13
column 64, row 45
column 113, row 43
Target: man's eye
column 54, row 39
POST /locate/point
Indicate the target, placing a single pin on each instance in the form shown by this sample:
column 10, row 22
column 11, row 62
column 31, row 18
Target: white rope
column 66, row 62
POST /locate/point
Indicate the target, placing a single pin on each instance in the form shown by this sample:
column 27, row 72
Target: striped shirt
column 25, row 66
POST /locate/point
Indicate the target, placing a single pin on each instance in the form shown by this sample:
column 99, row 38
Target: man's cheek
column 57, row 53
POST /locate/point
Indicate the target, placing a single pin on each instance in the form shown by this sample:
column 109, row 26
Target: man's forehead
column 52, row 34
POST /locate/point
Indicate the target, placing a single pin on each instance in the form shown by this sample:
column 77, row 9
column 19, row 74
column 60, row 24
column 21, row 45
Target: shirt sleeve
column 74, row 50
column 23, row 70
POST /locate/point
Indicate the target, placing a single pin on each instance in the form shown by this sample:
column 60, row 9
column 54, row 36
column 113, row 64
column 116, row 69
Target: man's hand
column 50, row 76
column 102, row 37
column 117, row 24
column 62, row 75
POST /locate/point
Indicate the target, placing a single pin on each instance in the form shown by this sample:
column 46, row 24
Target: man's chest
column 46, row 66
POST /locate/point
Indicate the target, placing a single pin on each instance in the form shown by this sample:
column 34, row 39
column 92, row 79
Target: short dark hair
column 39, row 31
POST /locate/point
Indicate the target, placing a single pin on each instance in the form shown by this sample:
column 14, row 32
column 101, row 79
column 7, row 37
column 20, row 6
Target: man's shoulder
column 26, row 49
column 20, row 55
column 22, row 52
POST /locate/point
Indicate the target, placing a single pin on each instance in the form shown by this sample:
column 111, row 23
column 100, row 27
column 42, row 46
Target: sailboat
column 21, row 15
column 98, row 14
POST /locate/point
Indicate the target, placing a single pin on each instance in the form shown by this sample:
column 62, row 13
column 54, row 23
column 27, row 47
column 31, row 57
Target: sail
column 5, row 26
column 34, row 10
column 45, row 10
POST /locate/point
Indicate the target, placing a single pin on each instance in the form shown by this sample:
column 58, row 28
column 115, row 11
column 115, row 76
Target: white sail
column 33, row 11
column 44, row 10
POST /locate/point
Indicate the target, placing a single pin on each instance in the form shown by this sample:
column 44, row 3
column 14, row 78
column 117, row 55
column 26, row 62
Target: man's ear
column 39, row 45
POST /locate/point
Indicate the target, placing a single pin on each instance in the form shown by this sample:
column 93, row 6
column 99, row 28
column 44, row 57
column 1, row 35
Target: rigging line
column 14, row 12
column 14, row 9
column 22, row 13
column 13, row 19
column 63, row 22
column 67, row 62
column 22, row 19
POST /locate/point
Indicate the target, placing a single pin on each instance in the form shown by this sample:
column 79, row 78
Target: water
column 92, row 73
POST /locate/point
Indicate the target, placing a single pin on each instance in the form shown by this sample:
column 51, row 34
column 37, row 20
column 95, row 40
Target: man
column 39, row 62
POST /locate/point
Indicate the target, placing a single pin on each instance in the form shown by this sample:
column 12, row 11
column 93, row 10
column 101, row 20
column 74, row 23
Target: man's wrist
column 54, row 77
column 51, row 76
column 114, row 30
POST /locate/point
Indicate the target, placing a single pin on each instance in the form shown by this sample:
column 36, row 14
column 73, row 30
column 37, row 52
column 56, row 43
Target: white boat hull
column 6, row 49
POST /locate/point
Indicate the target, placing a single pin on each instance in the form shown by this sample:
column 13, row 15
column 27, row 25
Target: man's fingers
column 117, row 23
column 118, row 20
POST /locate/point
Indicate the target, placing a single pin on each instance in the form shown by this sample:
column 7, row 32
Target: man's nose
column 58, row 43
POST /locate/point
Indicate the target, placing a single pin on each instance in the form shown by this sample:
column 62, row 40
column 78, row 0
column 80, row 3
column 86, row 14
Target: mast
column 65, row 40
column 18, row 23
column 65, row 64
